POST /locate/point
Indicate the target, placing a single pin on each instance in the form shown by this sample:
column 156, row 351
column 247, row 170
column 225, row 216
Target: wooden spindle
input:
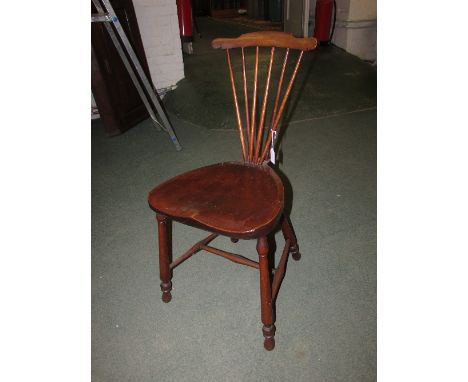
column 280, row 85
column 236, row 104
column 283, row 104
column 246, row 101
column 262, row 115
column 254, row 106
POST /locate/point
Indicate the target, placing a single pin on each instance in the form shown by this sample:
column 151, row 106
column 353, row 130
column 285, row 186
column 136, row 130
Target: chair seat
column 240, row 200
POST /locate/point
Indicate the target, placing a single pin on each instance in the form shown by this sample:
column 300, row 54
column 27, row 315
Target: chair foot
column 269, row 334
column 166, row 289
column 294, row 251
column 234, row 240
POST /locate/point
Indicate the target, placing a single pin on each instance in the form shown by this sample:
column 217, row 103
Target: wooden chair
column 240, row 200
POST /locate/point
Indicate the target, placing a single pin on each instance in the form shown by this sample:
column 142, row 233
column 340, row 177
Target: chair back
column 254, row 143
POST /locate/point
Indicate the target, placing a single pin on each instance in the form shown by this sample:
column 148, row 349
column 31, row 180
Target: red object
column 184, row 10
column 323, row 19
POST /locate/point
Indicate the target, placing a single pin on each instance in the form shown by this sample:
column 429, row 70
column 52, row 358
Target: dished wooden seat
column 240, row 200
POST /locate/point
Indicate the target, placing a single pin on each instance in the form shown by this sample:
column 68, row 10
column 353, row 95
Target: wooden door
column 116, row 97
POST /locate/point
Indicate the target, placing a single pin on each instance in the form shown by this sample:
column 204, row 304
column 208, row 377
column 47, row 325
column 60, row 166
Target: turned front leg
column 164, row 256
column 265, row 294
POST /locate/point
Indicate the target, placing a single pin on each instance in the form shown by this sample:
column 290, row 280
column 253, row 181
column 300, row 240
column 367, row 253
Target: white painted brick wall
column 159, row 29
column 356, row 27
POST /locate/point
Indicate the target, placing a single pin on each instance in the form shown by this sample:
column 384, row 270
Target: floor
column 211, row 330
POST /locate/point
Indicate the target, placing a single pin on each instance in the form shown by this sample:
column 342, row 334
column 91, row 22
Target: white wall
column 159, row 29
column 363, row 10
column 356, row 27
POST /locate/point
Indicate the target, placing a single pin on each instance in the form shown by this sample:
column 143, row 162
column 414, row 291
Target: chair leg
column 288, row 233
column 165, row 245
column 265, row 294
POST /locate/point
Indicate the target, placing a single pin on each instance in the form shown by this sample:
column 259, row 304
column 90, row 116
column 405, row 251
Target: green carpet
column 211, row 330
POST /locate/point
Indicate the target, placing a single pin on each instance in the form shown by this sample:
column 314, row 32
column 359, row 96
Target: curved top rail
column 266, row 38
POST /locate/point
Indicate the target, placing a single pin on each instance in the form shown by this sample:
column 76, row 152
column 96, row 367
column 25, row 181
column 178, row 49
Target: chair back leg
column 288, row 234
